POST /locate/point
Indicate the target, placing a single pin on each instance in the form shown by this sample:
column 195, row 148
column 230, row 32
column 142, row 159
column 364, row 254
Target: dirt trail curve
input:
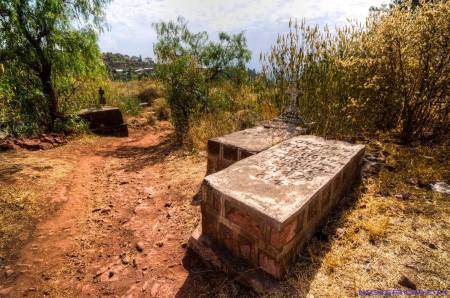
column 122, row 227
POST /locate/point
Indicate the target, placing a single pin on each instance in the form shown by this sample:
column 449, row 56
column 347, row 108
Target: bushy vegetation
column 189, row 66
column 46, row 48
column 390, row 74
column 386, row 75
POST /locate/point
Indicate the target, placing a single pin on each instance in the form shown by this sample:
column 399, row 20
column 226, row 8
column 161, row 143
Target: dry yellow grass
column 373, row 238
column 26, row 181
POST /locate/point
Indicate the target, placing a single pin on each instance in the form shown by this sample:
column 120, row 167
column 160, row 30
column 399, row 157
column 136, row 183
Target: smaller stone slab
column 226, row 150
column 265, row 207
column 105, row 121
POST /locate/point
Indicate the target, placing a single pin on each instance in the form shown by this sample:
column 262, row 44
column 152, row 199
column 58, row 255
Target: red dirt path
column 121, row 192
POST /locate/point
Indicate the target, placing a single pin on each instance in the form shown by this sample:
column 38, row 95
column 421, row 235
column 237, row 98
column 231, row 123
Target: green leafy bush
column 130, row 105
column 189, row 65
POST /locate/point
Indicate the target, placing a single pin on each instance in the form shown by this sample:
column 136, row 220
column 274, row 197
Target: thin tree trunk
column 50, row 94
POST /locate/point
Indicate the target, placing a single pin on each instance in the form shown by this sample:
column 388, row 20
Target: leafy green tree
column 46, row 43
column 188, row 64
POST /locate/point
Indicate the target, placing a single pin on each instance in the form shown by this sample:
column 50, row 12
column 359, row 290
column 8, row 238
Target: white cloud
column 131, row 31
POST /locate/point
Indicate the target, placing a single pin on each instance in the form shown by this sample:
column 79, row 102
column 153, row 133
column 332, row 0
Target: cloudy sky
column 130, row 31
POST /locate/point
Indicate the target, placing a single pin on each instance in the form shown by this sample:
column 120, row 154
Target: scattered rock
column 29, row 144
column 403, row 196
column 60, row 141
column 340, row 232
column 5, row 291
column 111, row 274
column 197, row 199
column 159, row 244
column 6, row 145
column 367, row 266
column 168, row 204
column 149, row 191
column 47, row 139
column 374, row 158
column 441, row 187
column 154, row 290
column 9, row 273
column 140, row 246
column 125, row 259
column 145, row 286
column 412, row 181
column 406, row 282
column 105, row 210
column 423, row 184
column 432, row 246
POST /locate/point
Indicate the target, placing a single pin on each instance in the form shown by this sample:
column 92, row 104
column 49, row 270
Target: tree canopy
column 188, row 63
column 44, row 44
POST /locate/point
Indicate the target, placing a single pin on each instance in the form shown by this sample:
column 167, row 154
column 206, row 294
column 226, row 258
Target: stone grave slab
column 265, row 207
column 105, row 121
column 226, row 150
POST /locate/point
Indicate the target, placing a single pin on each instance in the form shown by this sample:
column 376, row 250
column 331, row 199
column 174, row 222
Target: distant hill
column 124, row 67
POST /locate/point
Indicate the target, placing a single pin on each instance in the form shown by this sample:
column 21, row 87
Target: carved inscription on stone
column 302, row 160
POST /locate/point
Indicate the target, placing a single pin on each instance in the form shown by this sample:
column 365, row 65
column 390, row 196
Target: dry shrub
column 151, row 119
column 233, row 107
column 384, row 237
column 210, row 126
column 161, row 109
column 148, row 95
column 377, row 229
column 390, row 74
column 16, row 216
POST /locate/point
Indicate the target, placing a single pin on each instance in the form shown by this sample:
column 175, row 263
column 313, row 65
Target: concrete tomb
column 226, row 150
column 105, row 120
column 264, row 208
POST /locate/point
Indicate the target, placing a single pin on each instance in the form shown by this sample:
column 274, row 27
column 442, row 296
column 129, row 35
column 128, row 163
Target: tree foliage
column 189, row 64
column 46, row 46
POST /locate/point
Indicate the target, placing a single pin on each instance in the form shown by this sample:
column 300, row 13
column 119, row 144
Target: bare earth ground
column 111, row 217
column 113, row 193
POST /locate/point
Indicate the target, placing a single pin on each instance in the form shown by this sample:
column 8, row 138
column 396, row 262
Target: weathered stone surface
column 226, row 150
column 279, row 182
column 264, row 208
column 105, row 121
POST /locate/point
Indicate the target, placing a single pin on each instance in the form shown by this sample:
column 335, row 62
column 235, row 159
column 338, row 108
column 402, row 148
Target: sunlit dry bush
column 389, row 74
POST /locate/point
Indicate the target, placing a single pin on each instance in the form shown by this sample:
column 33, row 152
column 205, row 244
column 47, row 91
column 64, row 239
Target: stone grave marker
column 105, row 120
column 263, row 209
column 226, row 150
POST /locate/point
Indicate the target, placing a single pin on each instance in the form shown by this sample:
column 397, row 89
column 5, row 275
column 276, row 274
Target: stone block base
column 212, row 254
column 118, row 131
column 105, row 121
column 264, row 208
